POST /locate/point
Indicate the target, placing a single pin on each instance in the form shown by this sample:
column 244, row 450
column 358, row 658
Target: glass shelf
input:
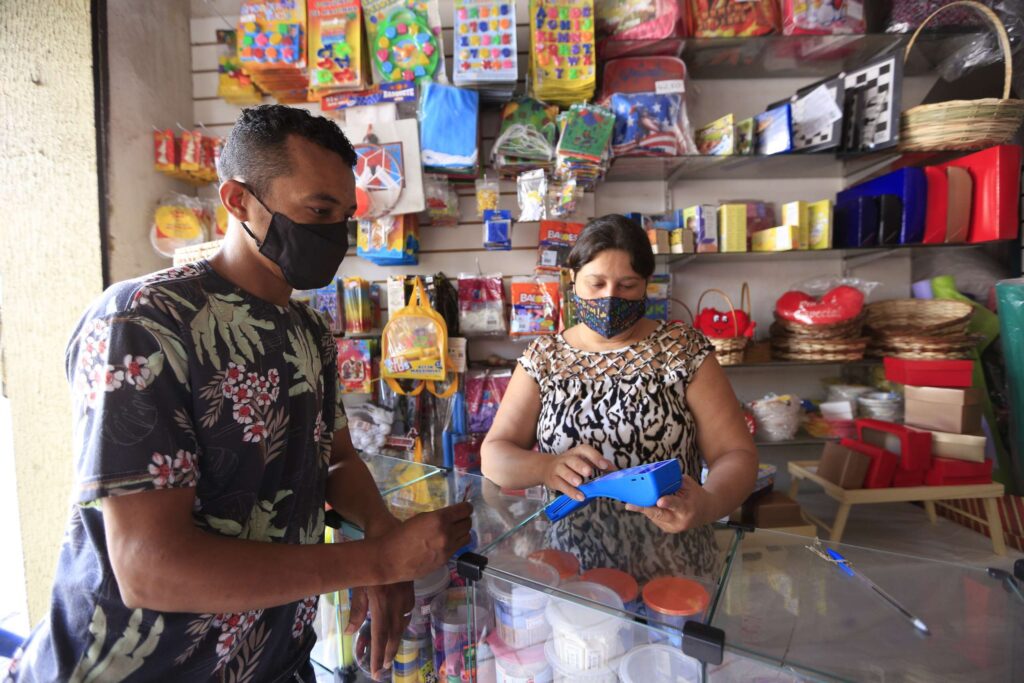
column 394, row 474
column 779, row 56
column 807, row 255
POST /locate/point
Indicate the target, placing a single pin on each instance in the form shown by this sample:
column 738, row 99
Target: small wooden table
column 929, row 495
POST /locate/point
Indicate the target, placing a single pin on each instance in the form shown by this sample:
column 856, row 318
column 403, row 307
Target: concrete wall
column 151, row 85
column 49, row 254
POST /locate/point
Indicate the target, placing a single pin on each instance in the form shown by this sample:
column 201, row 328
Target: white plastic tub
column 658, row 664
column 567, row 674
column 519, row 611
column 584, row 638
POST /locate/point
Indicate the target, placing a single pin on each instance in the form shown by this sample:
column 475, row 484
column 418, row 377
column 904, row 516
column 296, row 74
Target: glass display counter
column 603, row 596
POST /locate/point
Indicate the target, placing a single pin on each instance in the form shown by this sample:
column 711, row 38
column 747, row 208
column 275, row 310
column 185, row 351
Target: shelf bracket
column 471, row 566
column 703, row 642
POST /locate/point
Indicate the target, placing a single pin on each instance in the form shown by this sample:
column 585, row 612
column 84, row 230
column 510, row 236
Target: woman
column 616, row 391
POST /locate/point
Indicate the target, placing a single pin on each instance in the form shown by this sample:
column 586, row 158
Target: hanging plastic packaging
column 179, row 221
column 532, row 190
column 488, row 189
column 832, row 17
column 1010, row 298
column 732, row 19
column 481, row 305
column 415, row 346
column 448, row 119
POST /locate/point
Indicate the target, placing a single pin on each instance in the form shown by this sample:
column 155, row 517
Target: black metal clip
column 471, row 566
column 703, row 642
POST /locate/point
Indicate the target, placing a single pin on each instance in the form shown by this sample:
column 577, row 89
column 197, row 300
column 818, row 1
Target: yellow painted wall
column 49, row 254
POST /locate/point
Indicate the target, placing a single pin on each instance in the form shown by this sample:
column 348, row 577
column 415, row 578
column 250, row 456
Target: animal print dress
column 629, row 404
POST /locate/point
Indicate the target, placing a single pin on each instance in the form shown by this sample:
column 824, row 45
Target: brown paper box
column 959, row 446
column 958, row 397
column 843, row 467
column 943, row 417
column 777, row 510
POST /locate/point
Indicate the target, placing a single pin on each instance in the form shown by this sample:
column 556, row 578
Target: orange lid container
column 566, row 563
column 676, row 597
column 619, row 581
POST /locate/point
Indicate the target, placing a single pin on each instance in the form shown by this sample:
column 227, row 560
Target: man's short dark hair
column 256, row 150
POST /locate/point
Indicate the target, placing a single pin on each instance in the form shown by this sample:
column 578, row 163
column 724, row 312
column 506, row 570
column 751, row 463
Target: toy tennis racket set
column 641, row 486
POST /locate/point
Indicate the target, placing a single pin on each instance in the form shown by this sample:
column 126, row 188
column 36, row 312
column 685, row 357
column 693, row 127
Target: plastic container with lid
column 426, row 589
column 649, row 663
column 624, row 585
column 450, row 614
column 567, row 565
column 410, row 659
column 584, row 638
column 674, row 600
column 520, row 665
column 567, row 674
column 519, row 611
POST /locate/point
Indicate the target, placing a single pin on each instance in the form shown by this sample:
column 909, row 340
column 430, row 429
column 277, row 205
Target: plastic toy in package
column 179, row 221
column 650, row 124
column 404, row 40
column 448, row 119
column 272, row 48
column 233, row 84
column 488, row 189
column 485, row 52
column 527, row 138
column 442, row 201
column 481, row 305
column 335, row 47
column 389, row 241
column 355, row 365
column 563, row 197
column 497, row 230
column 823, row 17
column 718, row 138
column 732, row 18
column 415, row 341
column 325, row 301
column 484, row 391
column 535, row 307
column 358, row 311
column 532, row 190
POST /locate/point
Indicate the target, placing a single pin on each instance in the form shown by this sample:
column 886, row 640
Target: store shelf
column 789, row 364
column 801, row 439
column 806, row 255
column 780, row 56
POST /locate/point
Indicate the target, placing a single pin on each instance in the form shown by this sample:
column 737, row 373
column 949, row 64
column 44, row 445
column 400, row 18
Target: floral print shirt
column 181, row 379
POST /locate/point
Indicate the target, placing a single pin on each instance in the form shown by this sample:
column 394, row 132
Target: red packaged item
column 948, row 212
column 631, row 75
column 838, row 305
column 948, row 472
column 913, row 446
column 823, row 17
column 731, row 19
column 882, row 469
column 930, row 373
column 905, row 478
column 640, row 27
column 995, row 206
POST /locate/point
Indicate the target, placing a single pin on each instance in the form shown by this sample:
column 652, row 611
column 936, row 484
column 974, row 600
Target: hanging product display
column 831, row 17
column 327, row 303
column 192, row 157
column 448, row 118
column 729, row 18
column 584, row 145
column 415, row 345
column 532, row 191
column 481, row 305
column 563, row 63
column 484, row 391
column 272, row 48
column 358, row 317
column 488, row 189
column 389, row 177
column 529, row 130
column 485, row 50
column 178, row 222
column 336, row 54
column 442, row 201
column 497, row 230
column 404, row 40
column 640, row 26
column 355, row 365
column 389, row 240
column 233, row 84
column 650, row 124
column 535, row 306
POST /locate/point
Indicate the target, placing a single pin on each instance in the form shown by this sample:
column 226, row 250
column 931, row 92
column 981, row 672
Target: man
column 212, row 399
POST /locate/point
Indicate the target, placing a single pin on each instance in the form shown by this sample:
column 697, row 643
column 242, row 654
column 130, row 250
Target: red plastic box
column 904, row 478
column 913, row 446
column 930, row 373
column 949, row 472
column 995, row 205
column 883, row 464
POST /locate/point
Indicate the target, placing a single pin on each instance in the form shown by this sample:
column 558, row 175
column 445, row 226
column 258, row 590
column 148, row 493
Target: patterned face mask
column 609, row 316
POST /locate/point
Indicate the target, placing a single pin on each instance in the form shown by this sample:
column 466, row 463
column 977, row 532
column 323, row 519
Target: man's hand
column 689, row 507
column 390, row 608
column 423, row 543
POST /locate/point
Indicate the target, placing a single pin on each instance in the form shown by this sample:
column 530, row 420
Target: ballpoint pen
column 844, row 566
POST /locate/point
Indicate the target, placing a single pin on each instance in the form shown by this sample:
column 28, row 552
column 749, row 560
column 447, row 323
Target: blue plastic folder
column 909, row 185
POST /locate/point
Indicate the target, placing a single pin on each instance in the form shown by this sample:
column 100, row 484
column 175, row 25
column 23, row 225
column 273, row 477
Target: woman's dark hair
column 613, row 231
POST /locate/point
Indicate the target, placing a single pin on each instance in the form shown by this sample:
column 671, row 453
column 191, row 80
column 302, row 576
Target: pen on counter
column 844, row 565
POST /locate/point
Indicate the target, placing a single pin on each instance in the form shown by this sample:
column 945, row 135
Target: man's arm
column 352, row 491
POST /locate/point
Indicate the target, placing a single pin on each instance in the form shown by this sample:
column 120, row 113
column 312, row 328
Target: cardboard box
column 798, row 215
column 660, row 242
column 683, row 241
column 843, row 466
column 702, row 221
column 913, row 446
column 732, row 228
column 819, row 220
column 957, row 411
column 968, row 447
column 882, row 469
column 775, row 509
column 929, row 373
column 782, row 238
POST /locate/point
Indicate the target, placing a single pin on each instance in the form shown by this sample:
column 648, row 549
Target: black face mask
column 308, row 254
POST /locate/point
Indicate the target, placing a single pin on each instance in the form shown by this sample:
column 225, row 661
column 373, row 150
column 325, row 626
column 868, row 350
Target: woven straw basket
column 730, row 350
column 964, row 124
column 931, row 317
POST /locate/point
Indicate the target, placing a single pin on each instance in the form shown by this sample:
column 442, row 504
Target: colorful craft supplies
column 335, row 47
column 563, row 60
column 485, row 50
column 404, row 40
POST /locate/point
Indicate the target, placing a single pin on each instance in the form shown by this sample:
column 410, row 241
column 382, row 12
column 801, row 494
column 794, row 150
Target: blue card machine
column 642, row 486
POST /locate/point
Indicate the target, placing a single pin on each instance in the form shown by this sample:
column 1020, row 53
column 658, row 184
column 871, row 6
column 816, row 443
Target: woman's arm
column 728, row 449
column 507, row 458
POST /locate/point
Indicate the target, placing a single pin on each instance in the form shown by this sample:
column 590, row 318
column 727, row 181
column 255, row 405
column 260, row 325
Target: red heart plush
column 719, row 324
column 837, row 305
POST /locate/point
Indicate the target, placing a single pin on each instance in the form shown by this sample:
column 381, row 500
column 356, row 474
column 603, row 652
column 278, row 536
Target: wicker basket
column 729, row 350
column 844, row 330
column 964, row 124
column 921, row 346
column 794, row 348
column 920, row 317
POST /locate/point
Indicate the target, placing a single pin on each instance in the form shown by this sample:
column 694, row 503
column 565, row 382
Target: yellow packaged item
column 414, row 345
column 819, row 218
column 732, row 228
column 796, row 213
column 782, row 238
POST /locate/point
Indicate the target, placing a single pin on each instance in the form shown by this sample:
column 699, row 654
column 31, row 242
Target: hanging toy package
column 823, row 17
column 442, row 201
column 563, row 197
column 497, row 230
column 488, row 189
column 732, row 19
column 404, row 40
column 484, row 391
column 335, row 49
column 481, row 305
column 532, row 190
column 535, row 306
column 356, row 298
column 326, row 302
column 415, row 344
column 177, row 223
column 448, row 119
column 233, row 84
column 529, row 130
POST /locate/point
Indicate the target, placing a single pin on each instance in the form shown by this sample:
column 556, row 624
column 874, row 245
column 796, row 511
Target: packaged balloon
column 732, row 19
column 535, row 306
column 178, row 222
column 481, row 305
column 404, row 40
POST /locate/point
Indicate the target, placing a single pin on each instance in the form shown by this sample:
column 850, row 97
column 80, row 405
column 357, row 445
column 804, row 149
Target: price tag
column 675, row 85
